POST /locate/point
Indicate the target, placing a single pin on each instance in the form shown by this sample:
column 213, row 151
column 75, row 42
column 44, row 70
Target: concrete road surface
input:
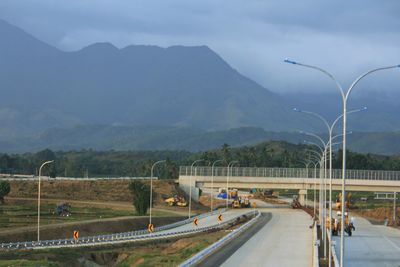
column 208, row 221
column 285, row 240
column 371, row 245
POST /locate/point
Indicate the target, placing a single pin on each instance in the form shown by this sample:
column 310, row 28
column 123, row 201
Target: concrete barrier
column 315, row 246
column 333, row 251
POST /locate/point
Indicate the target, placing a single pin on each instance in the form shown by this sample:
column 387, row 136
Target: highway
column 208, row 221
column 285, row 240
column 371, row 245
column 205, row 222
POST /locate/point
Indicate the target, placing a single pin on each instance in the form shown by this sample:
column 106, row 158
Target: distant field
column 18, row 213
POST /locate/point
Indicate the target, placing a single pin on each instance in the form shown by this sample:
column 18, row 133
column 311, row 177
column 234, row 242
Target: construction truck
column 241, row 202
column 233, row 193
column 348, row 202
column 348, row 224
column 222, row 193
column 176, row 201
column 245, row 202
column 237, row 203
column 63, row 210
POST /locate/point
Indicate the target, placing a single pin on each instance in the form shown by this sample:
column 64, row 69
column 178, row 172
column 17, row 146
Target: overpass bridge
column 285, row 178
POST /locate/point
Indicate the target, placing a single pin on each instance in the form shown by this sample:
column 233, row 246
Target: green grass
column 25, row 214
column 356, row 197
column 153, row 254
column 158, row 258
column 27, row 263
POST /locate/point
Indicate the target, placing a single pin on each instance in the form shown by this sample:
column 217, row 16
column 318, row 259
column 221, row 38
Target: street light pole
column 322, row 188
column 227, row 182
column 306, row 163
column 38, row 220
column 345, row 96
column 318, row 160
column 330, row 131
column 212, row 182
column 190, row 185
column 151, row 186
column 315, row 185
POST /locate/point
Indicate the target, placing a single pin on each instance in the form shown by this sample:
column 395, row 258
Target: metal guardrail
column 210, row 249
column 288, row 173
column 101, row 239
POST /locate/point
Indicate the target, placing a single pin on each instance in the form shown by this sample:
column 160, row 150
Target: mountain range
column 134, row 138
column 147, row 97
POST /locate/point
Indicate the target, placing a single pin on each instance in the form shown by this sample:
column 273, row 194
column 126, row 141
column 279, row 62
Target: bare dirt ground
column 101, row 194
column 206, row 201
column 101, row 190
column 114, row 192
column 116, row 205
column 380, row 215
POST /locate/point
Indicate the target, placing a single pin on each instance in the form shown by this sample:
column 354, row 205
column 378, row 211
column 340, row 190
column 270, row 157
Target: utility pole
column 394, row 208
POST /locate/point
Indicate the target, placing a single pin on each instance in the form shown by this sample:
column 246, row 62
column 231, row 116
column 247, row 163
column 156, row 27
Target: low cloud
column 346, row 37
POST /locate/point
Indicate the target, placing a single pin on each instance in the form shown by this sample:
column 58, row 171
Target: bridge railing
column 288, row 173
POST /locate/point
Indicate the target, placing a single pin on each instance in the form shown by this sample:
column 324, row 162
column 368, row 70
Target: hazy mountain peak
column 16, row 40
column 138, row 85
column 100, row 47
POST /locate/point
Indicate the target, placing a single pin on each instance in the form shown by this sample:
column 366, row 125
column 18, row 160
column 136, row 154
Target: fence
column 288, row 173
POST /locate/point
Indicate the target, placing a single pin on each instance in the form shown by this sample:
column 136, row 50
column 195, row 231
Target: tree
column 4, row 190
column 140, row 196
column 226, row 152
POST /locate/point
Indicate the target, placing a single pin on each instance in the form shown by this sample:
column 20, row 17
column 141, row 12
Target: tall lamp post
column 345, row 96
column 151, row 186
column 306, row 164
column 190, row 186
column 323, row 196
column 322, row 166
column 227, row 181
column 330, row 131
column 315, row 163
column 38, row 220
column 322, row 188
column 212, row 181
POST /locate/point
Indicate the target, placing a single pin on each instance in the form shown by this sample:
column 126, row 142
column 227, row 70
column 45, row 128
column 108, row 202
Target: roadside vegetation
column 169, row 252
column 161, row 253
column 140, row 196
column 18, row 213
column 4, row 190
column 138, row 163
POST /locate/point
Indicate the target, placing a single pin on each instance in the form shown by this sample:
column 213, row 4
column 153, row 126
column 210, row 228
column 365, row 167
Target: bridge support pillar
column 184, row 184
column 302, row 196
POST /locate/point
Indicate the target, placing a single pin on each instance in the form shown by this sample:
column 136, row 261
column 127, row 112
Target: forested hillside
column 138, row 163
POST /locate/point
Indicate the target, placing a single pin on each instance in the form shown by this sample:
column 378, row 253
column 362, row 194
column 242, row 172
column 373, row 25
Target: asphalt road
column 219, row 257
column 371, row 245
column 208, row 221
column 285, row 240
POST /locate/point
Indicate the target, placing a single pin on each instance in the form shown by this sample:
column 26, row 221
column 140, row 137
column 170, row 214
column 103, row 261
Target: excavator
column 348, row 201
column 176, row 201
column 246, row 202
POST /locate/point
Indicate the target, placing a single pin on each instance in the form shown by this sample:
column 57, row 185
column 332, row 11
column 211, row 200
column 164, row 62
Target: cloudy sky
column 344, row 37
